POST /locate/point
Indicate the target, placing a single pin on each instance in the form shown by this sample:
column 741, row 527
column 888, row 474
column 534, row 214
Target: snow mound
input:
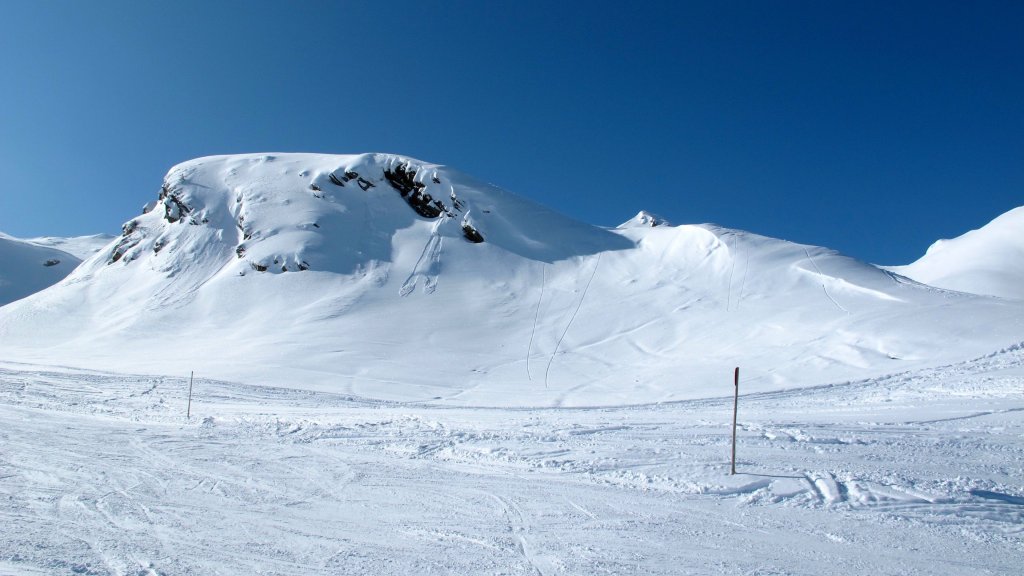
column 989, row 260
column 387, row 277
column 27, row 268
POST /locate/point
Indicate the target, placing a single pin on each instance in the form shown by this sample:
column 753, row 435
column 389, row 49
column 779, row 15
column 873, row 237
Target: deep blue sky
column 871, row 128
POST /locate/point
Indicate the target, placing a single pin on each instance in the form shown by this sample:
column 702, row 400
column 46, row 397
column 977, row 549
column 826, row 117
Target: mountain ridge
column 325, row 272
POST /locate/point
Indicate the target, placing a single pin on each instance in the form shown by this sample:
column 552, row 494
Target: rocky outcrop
column 403, row 179
column 174, row 209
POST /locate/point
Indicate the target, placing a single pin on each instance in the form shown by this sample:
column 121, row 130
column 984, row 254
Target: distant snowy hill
column 26, row 268
column 386, row 277
column 989, row 260
column 82, row 247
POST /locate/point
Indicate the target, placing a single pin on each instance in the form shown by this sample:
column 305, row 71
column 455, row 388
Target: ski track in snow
column 536, row 319
column 568, row 324
column 914, row 473
column 823, row 288
column 432, row 255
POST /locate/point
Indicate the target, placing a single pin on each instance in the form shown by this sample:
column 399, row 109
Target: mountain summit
column 384, row 276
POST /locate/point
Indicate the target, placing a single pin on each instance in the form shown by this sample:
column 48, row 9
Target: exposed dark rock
column 174, row 208
column 131, row 235
column 258, row 267
column 456, row 203
column 471, row 233
column 403, row 179
column 240, row 251
column 127, row 243
column 128, row 227
column 303, row 266
column 348, row 177
column 51, row 262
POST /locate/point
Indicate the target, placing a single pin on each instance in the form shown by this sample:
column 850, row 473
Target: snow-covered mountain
column 387, row 277
column 989, row 260
column 26, row 267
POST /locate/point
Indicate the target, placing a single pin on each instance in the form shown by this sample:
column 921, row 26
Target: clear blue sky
column 873, row 128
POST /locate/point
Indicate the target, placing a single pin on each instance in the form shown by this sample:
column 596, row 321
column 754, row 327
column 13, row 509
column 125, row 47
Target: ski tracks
column 520, row 530
column 428, row 266
column 536, row 318
column 579, row 305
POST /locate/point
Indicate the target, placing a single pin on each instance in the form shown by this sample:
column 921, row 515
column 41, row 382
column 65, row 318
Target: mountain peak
column 296, row 212
column 645, row 219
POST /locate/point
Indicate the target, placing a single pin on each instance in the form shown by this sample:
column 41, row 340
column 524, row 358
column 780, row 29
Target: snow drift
column 388, row 277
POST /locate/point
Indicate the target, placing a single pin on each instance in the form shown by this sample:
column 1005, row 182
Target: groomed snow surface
column 913, row 473
column 403, row 370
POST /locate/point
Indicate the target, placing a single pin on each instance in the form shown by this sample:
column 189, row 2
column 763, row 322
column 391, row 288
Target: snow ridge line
column 566, row 331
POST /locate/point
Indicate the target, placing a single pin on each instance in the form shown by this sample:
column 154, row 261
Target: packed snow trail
column 915, row 473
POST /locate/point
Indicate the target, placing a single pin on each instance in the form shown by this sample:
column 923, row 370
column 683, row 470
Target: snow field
column 914, row 473
column 382, row 392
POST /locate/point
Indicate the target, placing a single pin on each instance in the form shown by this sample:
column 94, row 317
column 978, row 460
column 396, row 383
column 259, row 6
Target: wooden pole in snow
column 735, row 409
column 188, row 413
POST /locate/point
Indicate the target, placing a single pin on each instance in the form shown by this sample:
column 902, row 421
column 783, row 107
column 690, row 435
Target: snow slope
column 989, row 260
column 27, row 268
column 915, row 473
column 386, row 277
column 82, row 247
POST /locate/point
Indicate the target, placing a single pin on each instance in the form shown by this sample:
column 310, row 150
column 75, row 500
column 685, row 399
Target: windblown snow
column 379, row 345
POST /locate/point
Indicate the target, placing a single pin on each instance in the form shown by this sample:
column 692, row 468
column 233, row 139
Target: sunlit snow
column 403, row 370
